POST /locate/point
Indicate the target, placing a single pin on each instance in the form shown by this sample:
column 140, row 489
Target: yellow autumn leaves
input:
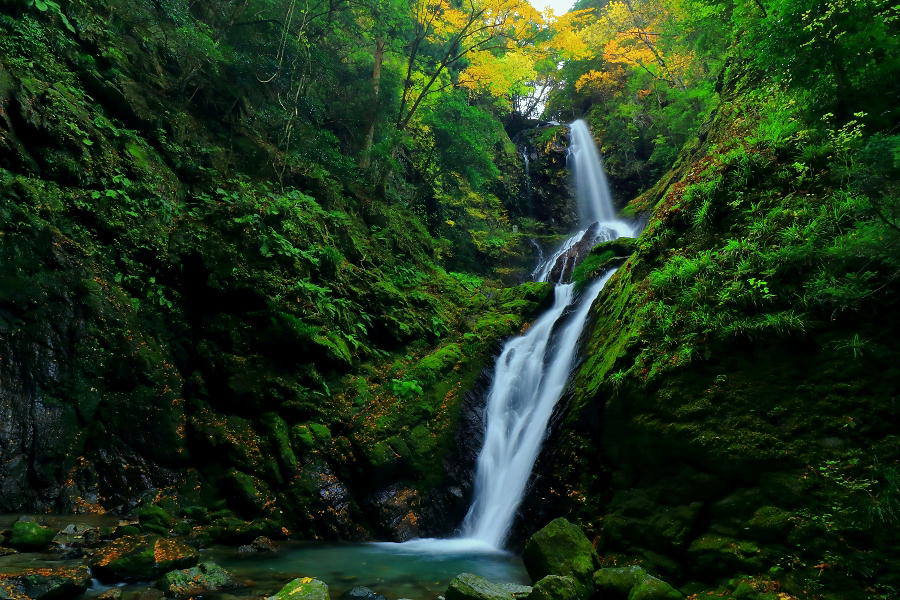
column 504, row 41
column 631, row 34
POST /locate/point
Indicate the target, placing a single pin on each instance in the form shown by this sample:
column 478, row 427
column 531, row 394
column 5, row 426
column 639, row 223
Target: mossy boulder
column 617, row 582
column 303, row 588
column 45, row 584
column 204, row 578
column 516, row 589
column 468, row 586
column 561, row 548
column 651, row 588
column 713, row 555
column 141, row 557
column 770, row 524
column 155, row 519
column 556, row 587
column 30, row 537
column 632, row 583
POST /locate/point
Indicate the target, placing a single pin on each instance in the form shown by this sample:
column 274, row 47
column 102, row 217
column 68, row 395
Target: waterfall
column 531, row 372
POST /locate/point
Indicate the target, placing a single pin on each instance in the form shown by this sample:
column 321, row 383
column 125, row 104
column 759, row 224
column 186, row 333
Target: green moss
column 30, row 537
column 206, row 577
column 141, row 558
column 154, row 519
column 279, row 438
column 304, row 588
column 561, row 548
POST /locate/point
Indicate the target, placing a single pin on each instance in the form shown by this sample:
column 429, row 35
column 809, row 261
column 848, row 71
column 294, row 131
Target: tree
column 446, row 36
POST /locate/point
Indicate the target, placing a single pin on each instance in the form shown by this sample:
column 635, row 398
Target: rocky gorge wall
column 184, row 321
column 731, row 415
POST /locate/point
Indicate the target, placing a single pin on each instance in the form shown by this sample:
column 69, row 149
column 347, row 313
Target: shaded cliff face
column 548, row 193
column 175, row 324
column 733, row 411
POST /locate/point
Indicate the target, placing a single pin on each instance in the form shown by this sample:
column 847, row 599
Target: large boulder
column 303, row 588
column 632, row 583
column 556, row 587
column 45, row 584
column 561, row 548
column 30, row 537
column 469, row 586
column 204, row 578
column 140, row 557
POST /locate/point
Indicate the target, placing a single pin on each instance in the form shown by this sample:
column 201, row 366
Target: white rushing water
column 532, row 371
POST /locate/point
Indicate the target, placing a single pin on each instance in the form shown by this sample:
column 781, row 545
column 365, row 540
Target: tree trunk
column 365, row 155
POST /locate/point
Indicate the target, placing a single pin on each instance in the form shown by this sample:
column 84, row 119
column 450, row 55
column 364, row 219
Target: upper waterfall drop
column 592, row 193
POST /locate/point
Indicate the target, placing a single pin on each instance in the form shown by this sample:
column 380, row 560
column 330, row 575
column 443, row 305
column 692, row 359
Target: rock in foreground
column 304, row 588
column 468, row 586
column 556, row 587
column 45, row 584
column 204, row 578
column 138, row 557
column 561, row 548
column 361, row 593
column 632, row 583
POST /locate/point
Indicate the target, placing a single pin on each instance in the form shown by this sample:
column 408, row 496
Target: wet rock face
column 548, row 186
column 397, row 507
column 50, row 407
column 443, row 509
column 34, row 432
column 566, row 263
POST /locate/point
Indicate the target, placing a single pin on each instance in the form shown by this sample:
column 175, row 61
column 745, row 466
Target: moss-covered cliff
column 195, row 306
column 734, row 410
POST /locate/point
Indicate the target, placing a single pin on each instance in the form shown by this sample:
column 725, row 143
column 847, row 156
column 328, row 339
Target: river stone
column 45, row 584
column 30, row 537
column 556, row 587
column 516, row 589
column 141, row 557
column 304, row 588
column 561, row 548
column 361, row 593
column 617, row 582
column 260, row 544
column 469, row 586
column 205, row 577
